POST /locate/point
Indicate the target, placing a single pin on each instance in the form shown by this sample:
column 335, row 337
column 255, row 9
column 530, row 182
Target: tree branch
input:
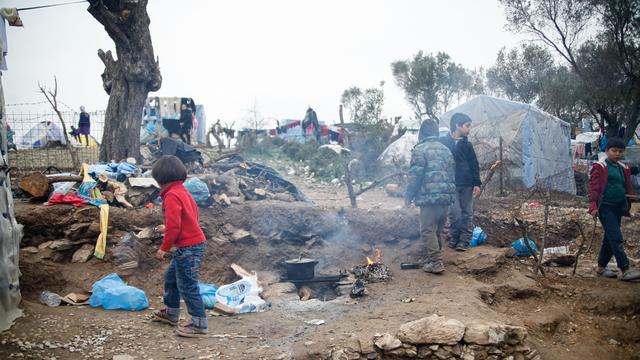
column 110, row 21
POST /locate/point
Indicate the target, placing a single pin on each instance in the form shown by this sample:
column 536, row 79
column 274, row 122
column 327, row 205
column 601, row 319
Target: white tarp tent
column 399, row 152
column 537, row 145
column 40, row 134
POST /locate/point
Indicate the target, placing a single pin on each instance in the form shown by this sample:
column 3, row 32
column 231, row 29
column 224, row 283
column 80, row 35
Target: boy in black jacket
column 467, row 181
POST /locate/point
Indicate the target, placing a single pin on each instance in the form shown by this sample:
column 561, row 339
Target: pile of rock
column 438, row 337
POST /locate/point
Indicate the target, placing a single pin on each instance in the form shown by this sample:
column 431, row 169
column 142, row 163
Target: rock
column 406, row 351
column 123, row 357
column 61, row 245
column 487, row 333
column 366, row 345
column 45, row 244
column 29, row 250
column 241, row 234
column 424, row 352
column 388, row 342
column 433, row 329
column 260, row 192
column 83, row 254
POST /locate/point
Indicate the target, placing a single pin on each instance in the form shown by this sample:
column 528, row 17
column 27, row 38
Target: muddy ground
column 567, row 317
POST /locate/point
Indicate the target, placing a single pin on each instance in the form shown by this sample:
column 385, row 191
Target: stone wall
column 437, row 337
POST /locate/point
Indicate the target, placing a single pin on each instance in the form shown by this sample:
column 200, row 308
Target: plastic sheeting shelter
column 537, row 145
column 399, row 152
column 41, row 134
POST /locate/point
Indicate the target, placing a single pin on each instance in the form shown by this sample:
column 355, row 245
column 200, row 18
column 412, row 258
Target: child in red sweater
column 182, row 231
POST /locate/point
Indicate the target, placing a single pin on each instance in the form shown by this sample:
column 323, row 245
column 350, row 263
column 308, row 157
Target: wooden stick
column 378, row 182
column 523, row 227
column 487, row 179
column 544, row 231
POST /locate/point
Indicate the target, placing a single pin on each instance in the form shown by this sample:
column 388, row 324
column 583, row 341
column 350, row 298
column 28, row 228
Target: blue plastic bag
column 521, row 248
column 208, row 293
column 478, row 237
column 199, row 190
column 112, row 293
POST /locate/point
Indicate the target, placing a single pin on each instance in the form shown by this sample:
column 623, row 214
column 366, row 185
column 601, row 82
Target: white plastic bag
column 243, row 295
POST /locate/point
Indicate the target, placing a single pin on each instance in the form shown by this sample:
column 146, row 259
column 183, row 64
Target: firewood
column 38, row 185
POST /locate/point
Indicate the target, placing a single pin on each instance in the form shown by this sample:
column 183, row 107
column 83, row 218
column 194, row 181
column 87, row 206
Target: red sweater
column 598, row 183
column 180, row 214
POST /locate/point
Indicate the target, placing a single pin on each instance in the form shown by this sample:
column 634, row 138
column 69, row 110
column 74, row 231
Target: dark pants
column 612, row 243
column 461, row 217
column 185, row 135
column 181, row 280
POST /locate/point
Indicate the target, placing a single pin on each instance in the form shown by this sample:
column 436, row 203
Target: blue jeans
column 181, row 280
column 612, row 243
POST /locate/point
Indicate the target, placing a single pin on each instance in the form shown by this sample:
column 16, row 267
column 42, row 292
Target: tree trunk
column 129, row 79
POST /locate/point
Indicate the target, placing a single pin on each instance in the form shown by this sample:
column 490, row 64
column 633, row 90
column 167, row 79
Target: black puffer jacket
column 467, row 168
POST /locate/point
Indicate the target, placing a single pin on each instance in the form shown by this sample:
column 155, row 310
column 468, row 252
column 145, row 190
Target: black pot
column 301, row 269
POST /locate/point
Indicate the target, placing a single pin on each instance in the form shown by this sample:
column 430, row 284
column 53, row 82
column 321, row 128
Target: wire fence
column 37, row 141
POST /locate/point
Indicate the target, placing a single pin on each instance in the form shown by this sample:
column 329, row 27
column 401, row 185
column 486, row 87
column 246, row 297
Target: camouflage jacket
column 431, row 174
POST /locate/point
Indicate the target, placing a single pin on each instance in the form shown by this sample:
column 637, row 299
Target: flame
column 377, row 258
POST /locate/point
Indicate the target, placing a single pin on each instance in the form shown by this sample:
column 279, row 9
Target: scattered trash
column 478, row 237
column 50, row 299
column 199, row 190
column 534, row 204
column 560, row 250
column 358, row 289
column 242, row 296
column 316, row 322
column 112, row 293
column 75, row 299
column 127, row 254
column 521, row 248
column 208, row 293
column 407, row 300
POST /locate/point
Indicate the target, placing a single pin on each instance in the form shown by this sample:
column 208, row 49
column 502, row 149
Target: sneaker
column 434, row 267
column 163, row 316
column 191, row 331
column 630, row 275
column 451, row 245
column 462, row 247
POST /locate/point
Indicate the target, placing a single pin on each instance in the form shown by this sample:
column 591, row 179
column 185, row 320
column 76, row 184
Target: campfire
column 374, row 270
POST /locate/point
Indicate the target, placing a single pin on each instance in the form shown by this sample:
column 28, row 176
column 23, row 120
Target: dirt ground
column 567, row 317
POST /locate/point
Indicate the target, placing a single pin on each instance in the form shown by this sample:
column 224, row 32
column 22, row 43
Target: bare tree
column 52, row 98
column 129, row 79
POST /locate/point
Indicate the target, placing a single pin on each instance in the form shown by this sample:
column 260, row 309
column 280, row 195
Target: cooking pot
column 301, row 269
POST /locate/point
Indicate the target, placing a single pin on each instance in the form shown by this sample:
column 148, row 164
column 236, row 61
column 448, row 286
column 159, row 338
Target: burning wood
column 374, row 270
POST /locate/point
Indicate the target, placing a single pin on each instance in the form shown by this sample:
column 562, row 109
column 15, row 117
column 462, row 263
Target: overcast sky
column 284, row 55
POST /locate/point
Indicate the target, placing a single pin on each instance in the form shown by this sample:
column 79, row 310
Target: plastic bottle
column 50, row 299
